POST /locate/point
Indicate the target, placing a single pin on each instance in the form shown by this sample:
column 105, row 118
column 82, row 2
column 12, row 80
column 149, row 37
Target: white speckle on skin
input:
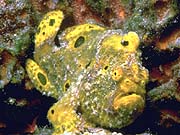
column 86, row 103
column 49, row 93
column 95, row 99
column 44, row 93
column 67, row 67
column 87, row 86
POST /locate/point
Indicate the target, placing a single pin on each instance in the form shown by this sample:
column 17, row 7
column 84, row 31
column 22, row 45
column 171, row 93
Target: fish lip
column 127, row 94
column 128, row 99
column 140, row 91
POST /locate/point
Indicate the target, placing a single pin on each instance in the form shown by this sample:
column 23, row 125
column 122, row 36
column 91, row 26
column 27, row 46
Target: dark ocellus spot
column 42, row 78
column 67, row 85
column 52, row 111
column 88, row 65
column 106, row 67
column 79, row 42
column 51, row 22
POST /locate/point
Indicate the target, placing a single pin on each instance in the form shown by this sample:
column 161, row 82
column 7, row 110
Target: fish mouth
column 129, row 101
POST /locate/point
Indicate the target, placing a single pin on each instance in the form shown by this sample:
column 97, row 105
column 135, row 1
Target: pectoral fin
column 40, row 80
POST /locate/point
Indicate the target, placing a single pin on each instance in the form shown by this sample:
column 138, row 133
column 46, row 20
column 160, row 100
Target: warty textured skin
column 95, row 73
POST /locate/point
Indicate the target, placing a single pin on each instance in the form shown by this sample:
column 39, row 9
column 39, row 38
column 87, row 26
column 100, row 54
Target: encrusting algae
column 95, row 72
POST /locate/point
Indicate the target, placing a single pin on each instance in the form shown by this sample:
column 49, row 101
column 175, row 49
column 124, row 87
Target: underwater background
column 23, row 107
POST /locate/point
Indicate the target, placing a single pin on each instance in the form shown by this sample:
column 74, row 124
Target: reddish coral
column 169, row 117
column 169, row 39
column 82, row 13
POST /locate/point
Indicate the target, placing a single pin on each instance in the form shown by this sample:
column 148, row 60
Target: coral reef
column 11, row 70
column 16, row 26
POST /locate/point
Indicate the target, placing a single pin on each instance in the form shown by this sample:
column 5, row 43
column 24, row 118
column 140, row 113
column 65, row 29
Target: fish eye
column 124, row 42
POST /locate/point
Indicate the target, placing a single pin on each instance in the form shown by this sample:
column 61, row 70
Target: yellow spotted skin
column 68, row 119
column 133, row 41
column 96, row 74
column 72, row 36
column 117, row 74
column 48, row 27
column 78, row 30
column 40, row 79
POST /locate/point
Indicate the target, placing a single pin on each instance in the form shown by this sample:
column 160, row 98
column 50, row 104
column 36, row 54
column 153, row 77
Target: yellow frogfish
column 95, row 73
